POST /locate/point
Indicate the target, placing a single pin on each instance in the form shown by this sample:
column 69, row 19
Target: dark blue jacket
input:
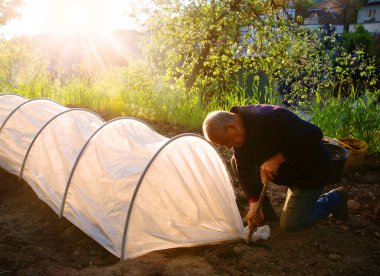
column 270, row 130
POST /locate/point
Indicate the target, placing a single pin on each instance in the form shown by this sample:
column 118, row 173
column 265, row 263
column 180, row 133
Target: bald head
column 224, row 128
column 215, row 123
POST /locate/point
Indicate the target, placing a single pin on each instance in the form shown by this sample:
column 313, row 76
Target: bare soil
column 34, row 241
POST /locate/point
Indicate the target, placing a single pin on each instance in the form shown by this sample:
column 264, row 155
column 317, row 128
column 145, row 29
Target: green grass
column 131, row 91
column 350, row 117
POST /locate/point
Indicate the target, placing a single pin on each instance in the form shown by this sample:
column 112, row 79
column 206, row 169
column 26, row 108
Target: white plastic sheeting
column 7, row 104
column 129, row 188
column 102, row 186
column 19, row 130
column 192, row 195
column 52, row 154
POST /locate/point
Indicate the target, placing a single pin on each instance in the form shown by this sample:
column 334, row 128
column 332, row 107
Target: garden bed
column 33, row 241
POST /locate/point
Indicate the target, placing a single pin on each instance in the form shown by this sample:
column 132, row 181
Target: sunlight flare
column 67, row 17
column 76, row 16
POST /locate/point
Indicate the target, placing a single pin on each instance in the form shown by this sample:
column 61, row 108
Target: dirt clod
column 335, row 257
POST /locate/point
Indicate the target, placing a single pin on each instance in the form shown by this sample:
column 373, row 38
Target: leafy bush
column 325, row 64
column 356, row 69
column 359, row 38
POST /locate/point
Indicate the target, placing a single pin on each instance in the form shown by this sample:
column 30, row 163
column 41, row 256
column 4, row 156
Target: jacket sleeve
column 297, row 135
column 248, row 174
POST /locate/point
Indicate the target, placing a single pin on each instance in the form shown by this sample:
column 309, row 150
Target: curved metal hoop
column 21, row 105
column 84, row 149
column 41, row 130
column 142, row 178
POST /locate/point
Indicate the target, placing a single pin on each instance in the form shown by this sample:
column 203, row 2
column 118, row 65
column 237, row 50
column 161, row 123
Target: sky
column 65, row 17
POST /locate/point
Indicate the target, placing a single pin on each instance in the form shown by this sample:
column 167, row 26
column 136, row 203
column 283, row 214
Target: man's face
column 231, row 137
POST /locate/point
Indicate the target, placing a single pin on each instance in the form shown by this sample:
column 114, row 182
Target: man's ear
column 230, row 125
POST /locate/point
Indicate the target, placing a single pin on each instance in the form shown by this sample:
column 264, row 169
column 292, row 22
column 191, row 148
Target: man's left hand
column 253, row 217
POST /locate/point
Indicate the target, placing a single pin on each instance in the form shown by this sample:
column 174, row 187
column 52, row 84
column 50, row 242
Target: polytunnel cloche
column 126, row 186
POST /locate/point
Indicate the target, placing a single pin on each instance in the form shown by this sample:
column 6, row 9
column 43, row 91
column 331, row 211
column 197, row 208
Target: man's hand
column 253, row 217
column 268, row 169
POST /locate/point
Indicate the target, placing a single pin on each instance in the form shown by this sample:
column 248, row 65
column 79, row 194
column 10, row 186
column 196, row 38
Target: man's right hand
column 254, row 218
column 268, row 169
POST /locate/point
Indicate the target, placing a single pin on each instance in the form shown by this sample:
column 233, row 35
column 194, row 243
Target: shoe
column 341, row 211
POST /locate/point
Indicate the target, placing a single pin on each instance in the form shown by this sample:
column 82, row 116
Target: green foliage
column 194, row 41
column 20, row 63
column 351, row 63
column 305, row 69
column 354, row 69
column 351, row 9
column 360, row 38
column 322, row 66
column 127, row 91
column 210, row 56
column 267, row 62
column 354, row 116
column 301, row 7
column 9, row 9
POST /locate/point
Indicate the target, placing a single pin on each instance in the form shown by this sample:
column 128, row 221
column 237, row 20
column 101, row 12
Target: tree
column 301, row 6
column 350, row 11
column 306, row 69
column 213, row 46
column 200, row 37
column 9, row 10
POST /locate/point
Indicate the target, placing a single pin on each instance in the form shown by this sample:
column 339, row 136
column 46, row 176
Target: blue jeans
column 303, row 208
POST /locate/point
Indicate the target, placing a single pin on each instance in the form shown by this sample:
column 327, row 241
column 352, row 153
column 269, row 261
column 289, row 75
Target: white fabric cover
column 7, row 104
column 185, row 199
column 103, row 183
column 54, row 152
column 20, row 129
column 183, row 192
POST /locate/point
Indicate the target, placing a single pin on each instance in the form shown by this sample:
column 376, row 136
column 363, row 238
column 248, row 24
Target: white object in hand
column 261, row 233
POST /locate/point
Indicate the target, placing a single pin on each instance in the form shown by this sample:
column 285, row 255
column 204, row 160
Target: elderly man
column 270, row 143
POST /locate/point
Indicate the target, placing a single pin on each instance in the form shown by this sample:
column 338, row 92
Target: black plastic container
column 339, row 156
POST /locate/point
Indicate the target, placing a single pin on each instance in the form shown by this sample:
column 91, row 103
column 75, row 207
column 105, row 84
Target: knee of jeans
column 289, row 225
